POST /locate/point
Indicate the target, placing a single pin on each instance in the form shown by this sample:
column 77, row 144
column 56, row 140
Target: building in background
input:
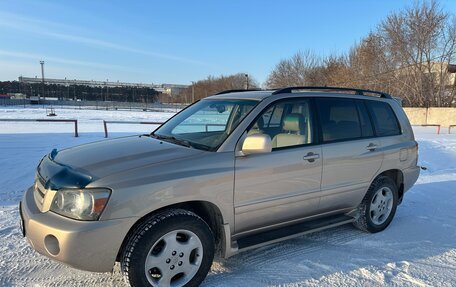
column 170, row 89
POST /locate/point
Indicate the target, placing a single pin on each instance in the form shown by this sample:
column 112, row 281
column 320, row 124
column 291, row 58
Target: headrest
column 293, row 122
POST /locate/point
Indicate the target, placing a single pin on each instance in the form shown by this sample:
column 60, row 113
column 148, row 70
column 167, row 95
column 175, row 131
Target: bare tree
column 337, row 71
column 407, row 55
column 300, row 70
column 213, row 85
column 421, row 41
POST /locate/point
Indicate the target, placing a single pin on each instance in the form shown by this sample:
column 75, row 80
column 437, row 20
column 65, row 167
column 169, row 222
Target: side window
column 239, row 113
column 288, row 123
column 339, row 119
column 274, row 118
column 385, row 121
column 366, row 125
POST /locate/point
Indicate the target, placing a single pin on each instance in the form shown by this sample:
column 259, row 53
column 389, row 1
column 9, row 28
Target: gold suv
column 232, row 172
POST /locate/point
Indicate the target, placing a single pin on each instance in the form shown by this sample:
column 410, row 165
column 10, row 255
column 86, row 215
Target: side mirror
column 257, row 143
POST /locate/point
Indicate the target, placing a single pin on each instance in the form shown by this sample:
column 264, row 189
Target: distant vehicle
column 231, row 172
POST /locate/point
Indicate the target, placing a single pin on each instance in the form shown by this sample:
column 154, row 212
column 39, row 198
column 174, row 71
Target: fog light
column 52, row 244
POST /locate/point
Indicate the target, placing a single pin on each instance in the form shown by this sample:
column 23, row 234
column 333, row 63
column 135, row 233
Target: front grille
column 39, row 193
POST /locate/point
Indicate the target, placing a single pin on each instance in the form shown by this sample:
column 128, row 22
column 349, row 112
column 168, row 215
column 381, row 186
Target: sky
column 177, row 41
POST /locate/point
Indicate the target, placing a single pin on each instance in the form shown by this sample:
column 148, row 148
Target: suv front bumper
column 86, row 245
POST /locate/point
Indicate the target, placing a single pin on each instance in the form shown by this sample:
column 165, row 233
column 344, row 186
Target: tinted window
column 339, row 119
column 366, row 125
column 385, row 121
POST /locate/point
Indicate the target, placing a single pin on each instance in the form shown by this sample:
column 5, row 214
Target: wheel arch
column 398, row 177
column 208, row 211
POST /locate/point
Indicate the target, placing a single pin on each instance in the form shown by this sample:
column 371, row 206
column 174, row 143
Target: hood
column 103, row 158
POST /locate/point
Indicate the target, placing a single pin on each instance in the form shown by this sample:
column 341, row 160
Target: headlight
column 82, row 204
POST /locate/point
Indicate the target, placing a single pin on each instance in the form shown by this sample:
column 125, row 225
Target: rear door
column 397, row 150
column 283, row 185
column 351, row 153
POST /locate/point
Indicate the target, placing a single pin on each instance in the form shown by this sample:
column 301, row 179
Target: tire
column 172, row 248
column 378, row 206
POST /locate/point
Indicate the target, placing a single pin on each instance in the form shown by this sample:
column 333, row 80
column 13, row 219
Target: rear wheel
column 378, row 207
column 173, row 248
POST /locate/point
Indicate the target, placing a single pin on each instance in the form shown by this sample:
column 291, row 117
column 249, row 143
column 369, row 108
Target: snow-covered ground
column 418, row 249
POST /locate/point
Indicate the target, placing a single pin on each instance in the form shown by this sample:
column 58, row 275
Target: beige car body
column 237, row 194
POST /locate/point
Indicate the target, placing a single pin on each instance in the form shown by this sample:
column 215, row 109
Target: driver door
column 282, row 185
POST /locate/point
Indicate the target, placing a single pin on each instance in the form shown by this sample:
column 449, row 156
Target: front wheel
column 378, row 207
column 173, row 248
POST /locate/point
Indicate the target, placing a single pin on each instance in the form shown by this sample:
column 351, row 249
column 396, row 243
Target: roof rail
column 236, row 91
column 357, row 91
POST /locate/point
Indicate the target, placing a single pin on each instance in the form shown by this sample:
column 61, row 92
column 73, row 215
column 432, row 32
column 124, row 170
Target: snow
column 417, row 249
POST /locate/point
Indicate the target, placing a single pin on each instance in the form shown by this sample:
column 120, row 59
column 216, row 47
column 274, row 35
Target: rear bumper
column 86, row 245
column 410, row 176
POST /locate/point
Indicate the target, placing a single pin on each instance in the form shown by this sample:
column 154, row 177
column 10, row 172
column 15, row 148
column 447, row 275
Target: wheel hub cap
column 381, row 205
column 174, row 259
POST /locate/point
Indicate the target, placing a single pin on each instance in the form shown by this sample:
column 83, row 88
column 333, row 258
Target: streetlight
column 42, row 79
column 246, row 81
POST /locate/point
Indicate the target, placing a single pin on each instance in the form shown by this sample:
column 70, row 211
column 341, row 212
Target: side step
column 291, row 231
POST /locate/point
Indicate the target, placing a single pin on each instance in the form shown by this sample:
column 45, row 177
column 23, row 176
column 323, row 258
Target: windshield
column 206, row 124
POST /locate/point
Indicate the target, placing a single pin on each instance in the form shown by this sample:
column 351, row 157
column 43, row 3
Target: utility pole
column 42, row 79
column 193, row 91
column 246, row 81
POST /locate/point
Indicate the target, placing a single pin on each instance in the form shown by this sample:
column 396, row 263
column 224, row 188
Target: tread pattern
column 361, row 220
column 141, row 229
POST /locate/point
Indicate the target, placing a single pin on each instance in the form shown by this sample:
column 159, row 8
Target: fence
column 450, row 127
column 105, row 124
column 431, row 125
column 47, row 120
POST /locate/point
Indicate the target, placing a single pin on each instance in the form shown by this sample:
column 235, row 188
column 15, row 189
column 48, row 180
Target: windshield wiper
column 198, row 145
column 181, row 142
column 172, row 139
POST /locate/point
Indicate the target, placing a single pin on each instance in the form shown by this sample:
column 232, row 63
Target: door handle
column 371, row 147
column 311, row 157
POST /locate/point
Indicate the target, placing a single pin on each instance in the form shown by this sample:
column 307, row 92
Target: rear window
column 385, row 121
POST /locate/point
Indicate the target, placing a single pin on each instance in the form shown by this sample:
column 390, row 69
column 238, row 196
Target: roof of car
column 248, row 95
column 262, row 94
